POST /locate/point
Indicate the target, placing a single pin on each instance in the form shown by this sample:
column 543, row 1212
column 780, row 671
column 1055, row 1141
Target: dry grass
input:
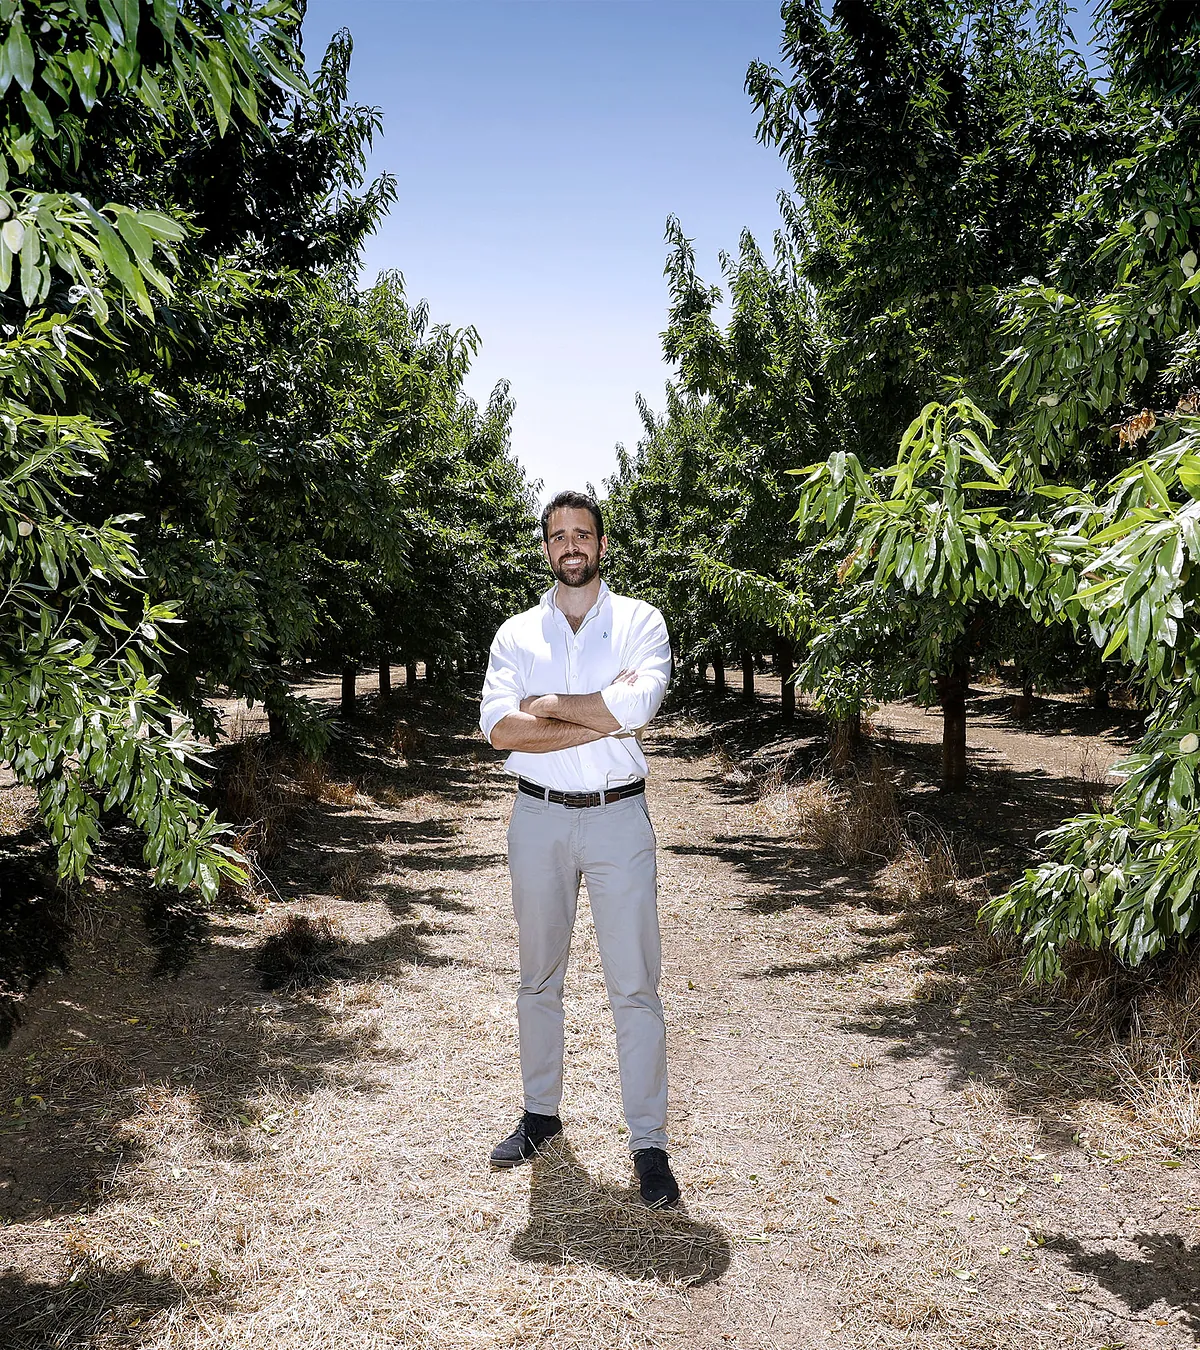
column 858, row 820
column 1151, row 1024
column 1162, row 1096
column 254, row 795
column 351, row 875
column 18, row 809
column 1092, row 770
column 314, row 781
column 306, row 1167
column 405, row 740
column 850, row 820
column 302, row 949
column 919, row 873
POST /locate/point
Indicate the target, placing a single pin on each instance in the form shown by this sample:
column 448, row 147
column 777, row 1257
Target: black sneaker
column 659, row 1188
column 530, row 1136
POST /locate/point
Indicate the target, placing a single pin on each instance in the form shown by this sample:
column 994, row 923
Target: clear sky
column 539, row 146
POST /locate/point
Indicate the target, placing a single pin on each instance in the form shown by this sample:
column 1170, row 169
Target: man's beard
column 577, row 576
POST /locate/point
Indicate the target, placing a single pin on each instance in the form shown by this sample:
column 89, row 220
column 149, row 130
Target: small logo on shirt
column 604, row 635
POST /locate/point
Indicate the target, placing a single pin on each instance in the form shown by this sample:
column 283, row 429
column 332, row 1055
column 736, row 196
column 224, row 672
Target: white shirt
column 537, row 653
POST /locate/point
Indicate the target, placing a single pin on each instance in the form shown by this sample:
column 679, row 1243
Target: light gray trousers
column 550, row 848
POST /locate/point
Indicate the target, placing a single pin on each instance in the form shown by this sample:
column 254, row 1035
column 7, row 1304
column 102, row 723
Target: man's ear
column 546, row 552
column 603, row 545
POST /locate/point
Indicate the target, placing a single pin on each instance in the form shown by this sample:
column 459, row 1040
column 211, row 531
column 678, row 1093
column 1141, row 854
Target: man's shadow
column 573, row 1218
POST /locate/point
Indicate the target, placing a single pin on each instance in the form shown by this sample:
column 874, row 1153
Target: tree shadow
column 35, row 934
column 110, row 1041
column 81, row 1307
column 573, row 1218
column 972, row 1018
column 1168, row 1271
column 1057, row 715
column 67, row 1141
column 178, row 927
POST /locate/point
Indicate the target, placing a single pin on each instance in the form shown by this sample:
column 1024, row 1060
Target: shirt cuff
column 495, row 713
column 622, row 701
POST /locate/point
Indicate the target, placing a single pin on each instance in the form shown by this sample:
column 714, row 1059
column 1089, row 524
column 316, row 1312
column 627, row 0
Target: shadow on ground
column 83, row 1306
column 572, row 1217
column 1168, row 1271
column 973, row 1019
column 165, row 997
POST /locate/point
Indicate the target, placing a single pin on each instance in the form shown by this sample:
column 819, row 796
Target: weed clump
column 848, row 820
column 303, row 950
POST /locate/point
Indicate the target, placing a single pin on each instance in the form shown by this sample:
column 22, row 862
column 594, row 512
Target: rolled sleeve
column 649, row 653
column 503, row 685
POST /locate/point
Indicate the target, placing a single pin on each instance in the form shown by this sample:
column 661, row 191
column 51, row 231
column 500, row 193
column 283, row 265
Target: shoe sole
column 505, row 1165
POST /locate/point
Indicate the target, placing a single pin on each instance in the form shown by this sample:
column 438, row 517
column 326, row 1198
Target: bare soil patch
column 883, row 1140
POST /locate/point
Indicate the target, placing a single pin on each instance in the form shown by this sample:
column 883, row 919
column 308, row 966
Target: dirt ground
column 882, row 1138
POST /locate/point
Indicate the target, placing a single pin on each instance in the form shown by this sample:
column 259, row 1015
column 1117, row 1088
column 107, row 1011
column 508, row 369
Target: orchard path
column 881, row 1140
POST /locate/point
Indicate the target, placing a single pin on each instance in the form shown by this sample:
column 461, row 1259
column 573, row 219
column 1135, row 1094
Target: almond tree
column 82, row 715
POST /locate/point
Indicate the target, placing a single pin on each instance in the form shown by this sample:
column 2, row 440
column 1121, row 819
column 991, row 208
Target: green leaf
column 217, row 77
column 1139, row 626
column 85, row 69
column 39, row 114
column 112, row 20
column 1116, row 642
column 136, row 236
column 18, row 52
column 165, row 14
column 1189, row 474
column 127, row 13
column 30, row 276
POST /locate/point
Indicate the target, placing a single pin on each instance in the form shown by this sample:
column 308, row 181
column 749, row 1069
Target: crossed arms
column 514, row 719
column 558, row 721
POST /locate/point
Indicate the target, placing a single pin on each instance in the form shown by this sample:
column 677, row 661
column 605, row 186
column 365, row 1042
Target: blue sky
column 539, row 146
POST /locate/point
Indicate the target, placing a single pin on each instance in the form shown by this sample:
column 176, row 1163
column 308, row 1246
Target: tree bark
column 719, row 672
column 952, row 694
column 349, row 689
column 410, row 675
column 845, row 735
column 748, row 676
column 385, row 679
column 787, row 688
column 276, row 726
column 1022, row 705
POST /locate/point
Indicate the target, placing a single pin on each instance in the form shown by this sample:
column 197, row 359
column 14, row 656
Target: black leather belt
column 581, row 799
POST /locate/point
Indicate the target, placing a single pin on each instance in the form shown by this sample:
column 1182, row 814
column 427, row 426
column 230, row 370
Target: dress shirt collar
column 548, row 603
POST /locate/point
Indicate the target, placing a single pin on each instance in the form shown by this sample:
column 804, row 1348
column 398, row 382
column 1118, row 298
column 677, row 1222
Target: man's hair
column 577, row 501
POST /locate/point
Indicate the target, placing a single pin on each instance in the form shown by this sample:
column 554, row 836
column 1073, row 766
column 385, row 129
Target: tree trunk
column 786, row 666
column 1099, row 694
column 349, row 689
column 1022, row 705
column 276, row 726
column 410, row 675
column 385, row 680
column 845, row 734
column 748, row 676
column 952, row 693
column 719, row 672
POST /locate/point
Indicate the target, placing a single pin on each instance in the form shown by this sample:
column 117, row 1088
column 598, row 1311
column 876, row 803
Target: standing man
column 570, row 685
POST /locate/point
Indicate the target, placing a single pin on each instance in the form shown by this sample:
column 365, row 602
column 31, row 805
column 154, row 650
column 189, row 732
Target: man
column 569, row 686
